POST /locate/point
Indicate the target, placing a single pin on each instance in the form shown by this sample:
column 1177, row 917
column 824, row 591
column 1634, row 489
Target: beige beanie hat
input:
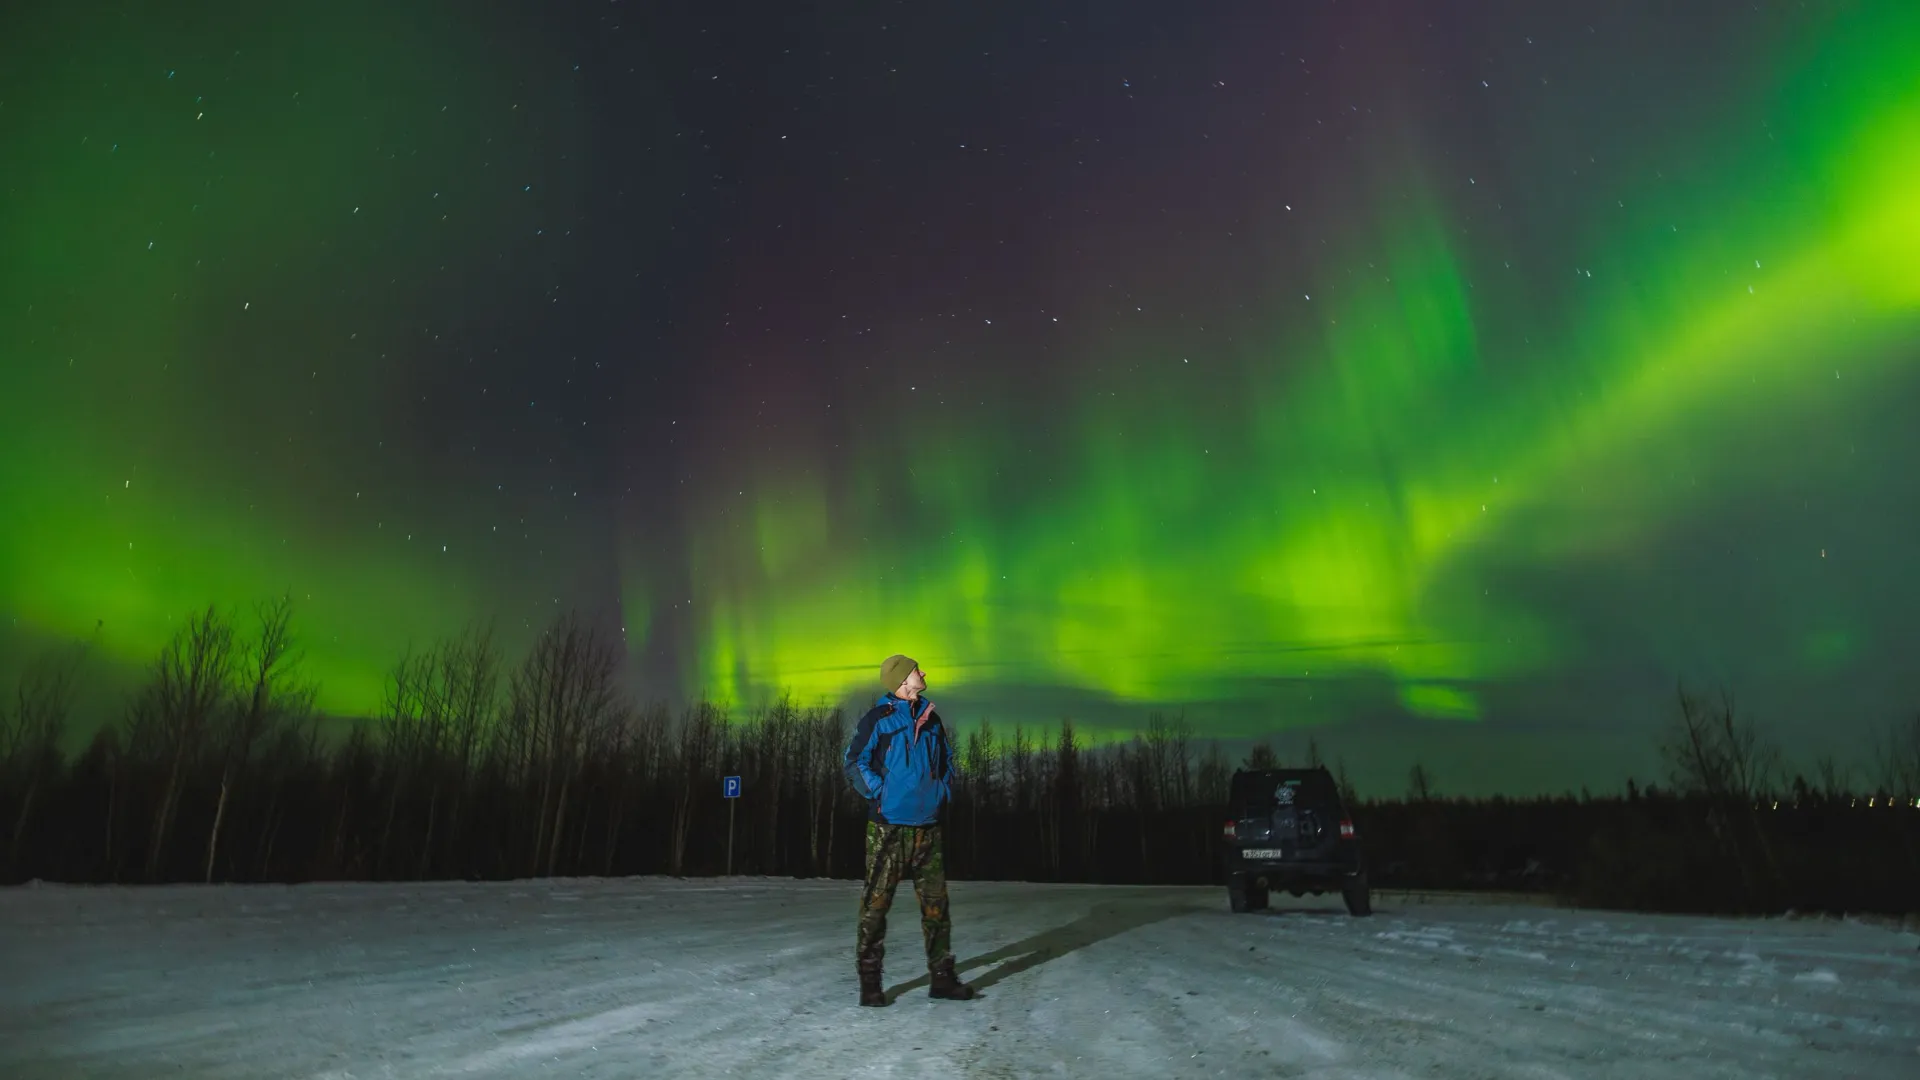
column 895, row 671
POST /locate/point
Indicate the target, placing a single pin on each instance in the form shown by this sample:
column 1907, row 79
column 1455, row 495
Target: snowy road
column 754, row 978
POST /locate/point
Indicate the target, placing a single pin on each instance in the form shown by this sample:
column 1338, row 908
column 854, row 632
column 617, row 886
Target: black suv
column 1287, row 829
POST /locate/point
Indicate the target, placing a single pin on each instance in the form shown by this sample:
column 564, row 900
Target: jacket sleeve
column 952, row 771
column 860, row 755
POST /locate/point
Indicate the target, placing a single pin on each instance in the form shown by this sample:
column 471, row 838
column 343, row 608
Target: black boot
column 945, row 984
column 870, row 991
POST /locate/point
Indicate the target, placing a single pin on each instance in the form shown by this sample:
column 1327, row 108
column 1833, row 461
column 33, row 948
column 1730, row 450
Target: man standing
column 901, row 761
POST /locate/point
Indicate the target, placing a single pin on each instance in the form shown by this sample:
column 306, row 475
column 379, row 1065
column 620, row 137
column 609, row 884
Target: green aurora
column 243, row 265
column 1390, row 450
column 212, row 238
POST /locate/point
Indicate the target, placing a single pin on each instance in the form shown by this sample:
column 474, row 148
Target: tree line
column 479, row 767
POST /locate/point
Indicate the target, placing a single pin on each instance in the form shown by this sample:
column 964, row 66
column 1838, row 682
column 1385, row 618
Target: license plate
column 1263, row 853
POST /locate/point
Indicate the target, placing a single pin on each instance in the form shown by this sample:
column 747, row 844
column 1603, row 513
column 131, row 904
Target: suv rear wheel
column 1358, row 895
column 1243, row 896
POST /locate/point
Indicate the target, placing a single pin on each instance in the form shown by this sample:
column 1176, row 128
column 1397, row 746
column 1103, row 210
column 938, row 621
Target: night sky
column 1440, row 379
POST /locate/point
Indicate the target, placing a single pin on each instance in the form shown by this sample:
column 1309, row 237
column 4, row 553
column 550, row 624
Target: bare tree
column 778, row 730
column 294, row 750
column 824, row 734
column 644, row 735
column 1420, row 786
column 1715, row 754
column 457, row 687
column 1160, row 749
column 31, row 730
column 441, row 723
column 1216, row 775
column 1137, row 764
column 1020, row 770
column 106, row 751
column 978, row 763
column 567, row 689
column 1099, row 780
column 1899, row 759
column 170, row 721
column 1021, row 775
column 1179, row 760
column 410, row 734
column 1046, row 805
column 701, row 729
column 1062, row 799
column 1712, row 750
column 1349, row 794
column 835, row 735
column 1832, row 780
column 352, row 762
column 262, row 696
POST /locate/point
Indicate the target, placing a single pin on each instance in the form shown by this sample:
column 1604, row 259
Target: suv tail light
column 1226, row 831
column 1346, row 829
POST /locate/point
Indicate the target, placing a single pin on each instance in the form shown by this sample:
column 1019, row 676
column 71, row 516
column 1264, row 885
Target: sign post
column 730, row 788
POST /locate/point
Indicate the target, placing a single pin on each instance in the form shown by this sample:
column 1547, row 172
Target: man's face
column 914, row 684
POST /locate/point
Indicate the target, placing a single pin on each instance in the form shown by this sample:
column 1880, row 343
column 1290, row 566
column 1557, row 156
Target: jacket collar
column 898, row 704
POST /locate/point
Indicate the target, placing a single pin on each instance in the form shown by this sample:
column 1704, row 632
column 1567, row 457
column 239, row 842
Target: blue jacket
column 905, row 775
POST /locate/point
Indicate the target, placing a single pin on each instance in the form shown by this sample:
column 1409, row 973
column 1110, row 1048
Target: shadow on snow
column 1103, row 922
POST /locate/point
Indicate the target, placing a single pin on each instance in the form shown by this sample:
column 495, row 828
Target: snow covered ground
column 754, row 978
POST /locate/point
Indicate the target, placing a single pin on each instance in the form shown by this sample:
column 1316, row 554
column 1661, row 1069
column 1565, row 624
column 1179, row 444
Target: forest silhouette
column 479, row 767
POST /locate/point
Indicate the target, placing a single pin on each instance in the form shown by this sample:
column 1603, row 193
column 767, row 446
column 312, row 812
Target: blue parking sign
column 732, row 787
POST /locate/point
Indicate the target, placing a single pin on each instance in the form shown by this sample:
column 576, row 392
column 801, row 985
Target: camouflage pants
column 894, row 852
